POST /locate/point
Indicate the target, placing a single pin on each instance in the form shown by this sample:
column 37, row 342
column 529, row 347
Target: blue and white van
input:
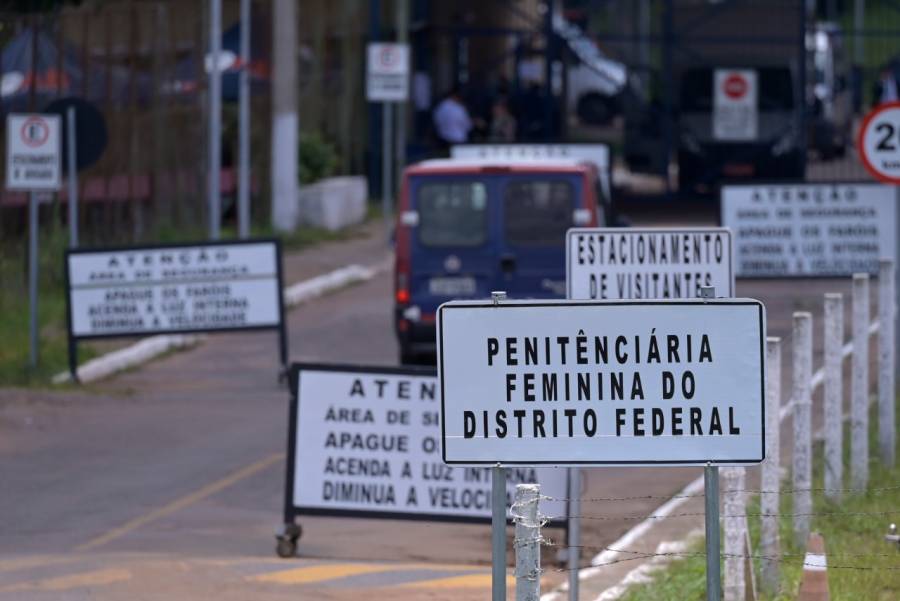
column 468, row 227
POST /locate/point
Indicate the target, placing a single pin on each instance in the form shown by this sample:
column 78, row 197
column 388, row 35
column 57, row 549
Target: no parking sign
column 387, row 72
column 33, row 160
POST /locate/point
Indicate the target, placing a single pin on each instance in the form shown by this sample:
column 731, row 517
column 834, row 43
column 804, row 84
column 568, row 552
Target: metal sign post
column 574, row 550
column 387, row 131
column 33, row 164
column 498, row 533
column 215, row 117
column 711, row 493
column 73, row 177
column 244, row 126
column 387, row 81
column 33, row 278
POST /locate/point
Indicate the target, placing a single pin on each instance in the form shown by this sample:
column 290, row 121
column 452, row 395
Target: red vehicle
column 466, row 228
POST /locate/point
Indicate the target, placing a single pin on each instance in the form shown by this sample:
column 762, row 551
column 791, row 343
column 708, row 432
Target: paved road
column 166, row 482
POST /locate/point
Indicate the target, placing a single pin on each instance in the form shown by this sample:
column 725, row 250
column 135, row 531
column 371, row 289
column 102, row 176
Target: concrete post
column 802, row 455
column 285, row 122
column 834, row 392
column 887, row 436
column 735, row 533
column 859, row 409
column 770, row 544
column 527, row 543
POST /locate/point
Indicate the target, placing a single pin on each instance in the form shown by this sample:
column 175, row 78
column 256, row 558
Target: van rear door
column 536, row 212
column 453, row 248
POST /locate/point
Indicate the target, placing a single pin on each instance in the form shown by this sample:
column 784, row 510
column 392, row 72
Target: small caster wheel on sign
column 286, row 547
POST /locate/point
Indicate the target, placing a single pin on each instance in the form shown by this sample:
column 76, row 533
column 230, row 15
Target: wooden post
column 802, row 455
column 887, row 393
column 834, row 392
column 770, row 544
column 859, row 409
column 734, row 586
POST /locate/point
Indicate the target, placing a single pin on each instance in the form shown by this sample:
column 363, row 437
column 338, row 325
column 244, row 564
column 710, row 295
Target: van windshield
column 537, row 212
column 452, row 213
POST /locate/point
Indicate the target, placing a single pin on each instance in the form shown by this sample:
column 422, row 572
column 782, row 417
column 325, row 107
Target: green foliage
column 318, row 158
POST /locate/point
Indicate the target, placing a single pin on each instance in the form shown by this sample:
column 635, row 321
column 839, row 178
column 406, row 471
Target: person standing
column 451, row 119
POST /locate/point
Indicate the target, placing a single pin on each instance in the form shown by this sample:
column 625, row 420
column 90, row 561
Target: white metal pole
column 33, row 277
column 387, row 132
column 244, row 126
column 527, row 542
column 887, row 435
column 574, row 551
column 498, row 533
column 215, row 117
column 735, row 533
column 834, row 395
column 71, row 147
column 859, row 408
column 770, row 543
column 802, row 454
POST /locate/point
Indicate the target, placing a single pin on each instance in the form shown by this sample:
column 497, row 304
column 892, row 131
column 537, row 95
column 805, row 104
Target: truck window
column 776, row 90
column 538, row 213
column 452, row 214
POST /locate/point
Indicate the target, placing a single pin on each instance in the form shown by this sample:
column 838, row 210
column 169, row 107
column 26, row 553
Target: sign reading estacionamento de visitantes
column 647, row 263
column 602, row 383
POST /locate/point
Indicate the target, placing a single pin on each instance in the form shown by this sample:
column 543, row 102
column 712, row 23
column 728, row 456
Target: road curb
column 149, row 348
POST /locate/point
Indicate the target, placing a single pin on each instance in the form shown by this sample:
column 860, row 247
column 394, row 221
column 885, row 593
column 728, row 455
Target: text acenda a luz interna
column 580, row 372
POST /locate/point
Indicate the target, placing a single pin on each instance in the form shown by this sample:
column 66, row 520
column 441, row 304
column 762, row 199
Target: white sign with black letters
column 603, row 382
column 810, row 229
column 367, row 441
column 387, row 72
column 735, row 114
column 33, row 155
column 175, row 288
column 647, row 263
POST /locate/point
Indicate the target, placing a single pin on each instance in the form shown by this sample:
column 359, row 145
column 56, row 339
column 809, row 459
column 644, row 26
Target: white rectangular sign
column 387, row 72
column 33, row 155
column 368, row 441
column 597, row 154
column 735, row 113
column 810, row 229
column 602, row 383
column 174, row 289
column 647, row 263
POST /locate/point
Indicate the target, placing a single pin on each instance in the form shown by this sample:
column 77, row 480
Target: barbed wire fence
column 735, row 493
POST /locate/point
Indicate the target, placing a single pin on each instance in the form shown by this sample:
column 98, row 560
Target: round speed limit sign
column 879, row 142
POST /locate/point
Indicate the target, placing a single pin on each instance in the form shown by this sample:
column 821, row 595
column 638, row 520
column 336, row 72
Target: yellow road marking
column 23, row 563
column 465, row 581
column 336, row 571
column 183, row 502
column 319, row 573
column 61, row 583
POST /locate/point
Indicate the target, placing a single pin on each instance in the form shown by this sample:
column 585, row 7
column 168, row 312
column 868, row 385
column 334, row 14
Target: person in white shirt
column 451, row 119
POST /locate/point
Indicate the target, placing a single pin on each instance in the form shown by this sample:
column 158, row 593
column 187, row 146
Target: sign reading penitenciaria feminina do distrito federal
column 602, row 383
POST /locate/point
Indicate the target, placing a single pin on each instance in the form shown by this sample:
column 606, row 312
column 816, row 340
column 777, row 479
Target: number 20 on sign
column 879, row 142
